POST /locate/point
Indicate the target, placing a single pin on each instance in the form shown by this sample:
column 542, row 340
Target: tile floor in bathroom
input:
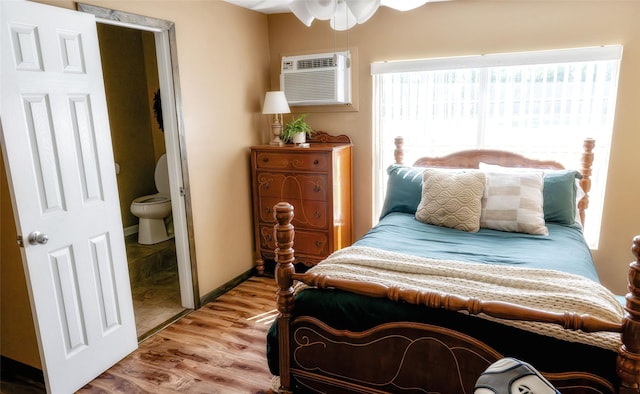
column 153, row 272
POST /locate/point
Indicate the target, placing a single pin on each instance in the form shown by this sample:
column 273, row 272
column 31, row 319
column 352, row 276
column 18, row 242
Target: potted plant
column 297, row 130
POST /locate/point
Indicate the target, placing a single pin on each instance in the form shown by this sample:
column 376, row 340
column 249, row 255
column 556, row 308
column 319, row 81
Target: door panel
column 44, row 155
column 59, row 161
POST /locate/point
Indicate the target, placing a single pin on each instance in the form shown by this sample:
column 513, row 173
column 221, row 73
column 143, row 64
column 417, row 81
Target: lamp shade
column 275, row 103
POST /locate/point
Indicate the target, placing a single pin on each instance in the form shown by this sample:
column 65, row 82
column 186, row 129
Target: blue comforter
column 564, row 249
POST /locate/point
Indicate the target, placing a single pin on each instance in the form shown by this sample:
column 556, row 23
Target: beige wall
column 130, row 113
column 223, row 55
column 153, row 85
column 461, row 27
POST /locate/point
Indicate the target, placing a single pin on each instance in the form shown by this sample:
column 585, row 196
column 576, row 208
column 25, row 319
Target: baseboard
column 212, row 295
column 131, row 230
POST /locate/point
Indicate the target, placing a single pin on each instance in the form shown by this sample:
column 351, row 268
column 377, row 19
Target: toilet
column 153, row 210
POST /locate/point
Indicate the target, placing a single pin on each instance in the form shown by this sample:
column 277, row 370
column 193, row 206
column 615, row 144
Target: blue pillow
column 560, row 196
column 404, row 190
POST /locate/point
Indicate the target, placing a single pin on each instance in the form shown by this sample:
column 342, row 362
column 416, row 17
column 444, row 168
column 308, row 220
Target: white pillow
column 557, row 206
column 513, row 201
column 451, row 198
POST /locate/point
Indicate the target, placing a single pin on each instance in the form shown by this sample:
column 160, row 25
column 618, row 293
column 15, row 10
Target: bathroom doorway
column 141, row 84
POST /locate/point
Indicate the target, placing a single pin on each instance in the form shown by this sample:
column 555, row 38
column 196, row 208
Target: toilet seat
column 159, row 198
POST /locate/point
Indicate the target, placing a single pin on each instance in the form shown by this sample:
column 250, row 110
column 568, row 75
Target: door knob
column 37, row 237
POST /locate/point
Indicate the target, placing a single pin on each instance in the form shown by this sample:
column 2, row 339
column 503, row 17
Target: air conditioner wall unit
column 319, row 79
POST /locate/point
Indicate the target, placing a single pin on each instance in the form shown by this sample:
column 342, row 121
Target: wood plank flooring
column 220, row 348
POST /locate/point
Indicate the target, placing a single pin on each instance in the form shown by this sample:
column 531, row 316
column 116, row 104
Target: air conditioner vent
column 304, row 64
column 320, row 79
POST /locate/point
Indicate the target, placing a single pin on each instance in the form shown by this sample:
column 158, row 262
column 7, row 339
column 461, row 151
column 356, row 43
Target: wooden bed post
column 629, row 352
column 283, row 231
column 585, row 182
column 398, row 154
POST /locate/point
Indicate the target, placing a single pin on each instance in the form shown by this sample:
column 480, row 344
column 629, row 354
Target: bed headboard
column 473, row 157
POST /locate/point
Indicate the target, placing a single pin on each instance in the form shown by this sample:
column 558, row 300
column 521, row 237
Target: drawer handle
column 266, row 185
column 318, row 244
column 316, row 188
column 317, row 214
column 265, row 159
column 269, row 238
column 267, row 210
column 316, row 161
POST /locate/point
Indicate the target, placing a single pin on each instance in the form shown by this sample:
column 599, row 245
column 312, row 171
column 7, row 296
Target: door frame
column 167, row 57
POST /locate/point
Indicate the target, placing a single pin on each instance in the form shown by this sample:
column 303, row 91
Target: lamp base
column 276, row 142
column 276, row 129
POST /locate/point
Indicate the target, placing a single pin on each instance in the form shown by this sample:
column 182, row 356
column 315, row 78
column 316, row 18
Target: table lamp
column 275, row 103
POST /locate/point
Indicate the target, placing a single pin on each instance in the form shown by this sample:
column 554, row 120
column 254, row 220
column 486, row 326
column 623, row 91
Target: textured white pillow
column 451, row 199
column 513, row 201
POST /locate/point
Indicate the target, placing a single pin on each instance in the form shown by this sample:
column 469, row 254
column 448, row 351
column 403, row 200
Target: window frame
column 382, row 147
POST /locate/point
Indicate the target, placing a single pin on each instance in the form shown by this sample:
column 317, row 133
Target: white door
column 57, row 147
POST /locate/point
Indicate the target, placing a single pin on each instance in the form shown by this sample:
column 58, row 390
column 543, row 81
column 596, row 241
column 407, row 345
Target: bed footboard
column 417, row 358
column 305, row 334
column 284, row 271
column 629, row 353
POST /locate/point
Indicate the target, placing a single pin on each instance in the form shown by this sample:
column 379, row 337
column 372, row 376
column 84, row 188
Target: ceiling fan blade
column 403, row 5
column 363, row 9
column 343, row 19
column 300, row 10
column 321, row 9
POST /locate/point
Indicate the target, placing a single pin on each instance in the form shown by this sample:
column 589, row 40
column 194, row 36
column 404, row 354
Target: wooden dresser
column 317, row 181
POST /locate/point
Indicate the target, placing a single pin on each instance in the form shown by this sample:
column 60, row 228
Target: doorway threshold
column 163, row 325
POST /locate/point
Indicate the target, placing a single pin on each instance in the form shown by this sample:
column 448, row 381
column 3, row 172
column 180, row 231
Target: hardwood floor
column 220, row 348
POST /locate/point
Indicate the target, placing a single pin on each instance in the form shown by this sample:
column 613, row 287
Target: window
column 539, row 104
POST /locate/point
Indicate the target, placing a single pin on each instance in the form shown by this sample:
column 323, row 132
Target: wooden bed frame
column 390, row 339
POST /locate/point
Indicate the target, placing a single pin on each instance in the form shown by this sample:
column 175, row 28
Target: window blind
column 540, row 104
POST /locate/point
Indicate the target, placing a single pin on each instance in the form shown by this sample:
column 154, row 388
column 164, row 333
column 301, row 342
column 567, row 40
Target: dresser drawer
column 312, row 243
column 286, row 186
column 306, row 213
column 305, row 161
column 267, row 240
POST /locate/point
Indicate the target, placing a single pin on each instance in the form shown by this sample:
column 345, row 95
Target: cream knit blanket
column 548, row 290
